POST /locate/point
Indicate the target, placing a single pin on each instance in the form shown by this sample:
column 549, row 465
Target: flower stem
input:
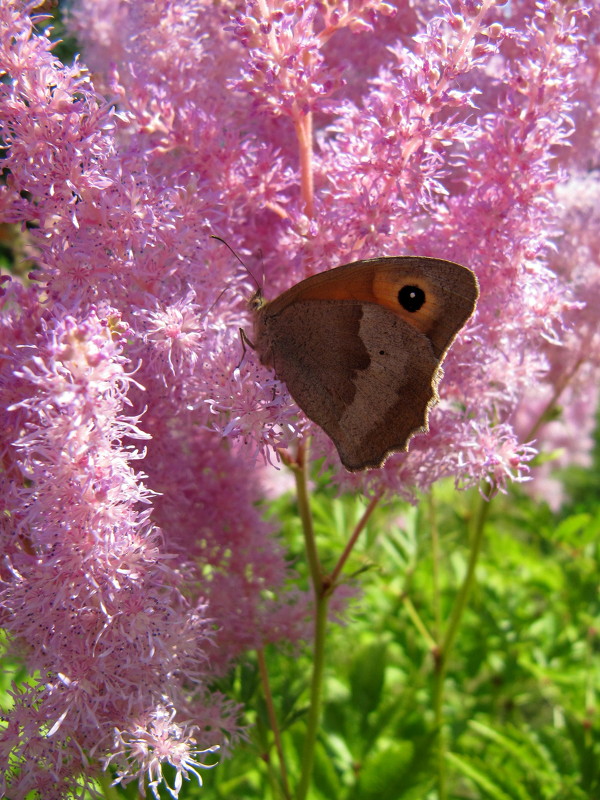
column 316, row 687
column 436, row 558
column 465, row 590
column 442, row 654
column 304, row 133
column 417, row 621
column 320, row 623
column 300, row 469
column 264, row 676
column 353, row 539
column 560, row 386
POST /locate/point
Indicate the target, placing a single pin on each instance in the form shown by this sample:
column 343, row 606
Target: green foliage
column 519, row 698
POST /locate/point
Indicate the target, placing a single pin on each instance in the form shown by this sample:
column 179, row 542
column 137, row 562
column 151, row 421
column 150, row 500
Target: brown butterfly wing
column 451, row 292
column 359, row 364
column 358, row 371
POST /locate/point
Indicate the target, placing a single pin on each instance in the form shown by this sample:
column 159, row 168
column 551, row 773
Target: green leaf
column 367, row 675
column 577, row 530
column 326, row 778
column 385, row 775
column 475, row 774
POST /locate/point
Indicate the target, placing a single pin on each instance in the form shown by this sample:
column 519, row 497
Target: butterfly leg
column 245, row 340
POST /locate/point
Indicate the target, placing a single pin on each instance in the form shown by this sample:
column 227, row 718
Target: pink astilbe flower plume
column 134, row 431
column 87, row 592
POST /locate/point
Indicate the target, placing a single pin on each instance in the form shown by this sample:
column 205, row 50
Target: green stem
column 321, row 603
column 436, row 558
column 442, row 654
column 353, row 539
column 418, row 622
column 438, row 678
column 264, row 676
column 560, row 386
column 316, row 691
column 438, row 702
column 300, row 469
column 469, row 581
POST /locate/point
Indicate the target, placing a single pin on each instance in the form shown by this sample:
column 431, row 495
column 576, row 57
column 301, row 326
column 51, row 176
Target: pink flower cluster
column 136, row 565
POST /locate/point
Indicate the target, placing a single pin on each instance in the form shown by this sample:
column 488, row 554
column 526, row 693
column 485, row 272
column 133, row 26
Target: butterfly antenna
column 214, row 304
column 262, row 265
column 233, row 253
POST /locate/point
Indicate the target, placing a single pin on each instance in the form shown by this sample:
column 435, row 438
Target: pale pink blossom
column 133, row 428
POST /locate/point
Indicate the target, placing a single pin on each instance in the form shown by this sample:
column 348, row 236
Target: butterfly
column 360, row 348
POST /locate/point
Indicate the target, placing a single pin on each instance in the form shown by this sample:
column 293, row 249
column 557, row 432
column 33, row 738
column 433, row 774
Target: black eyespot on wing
column 411, row 298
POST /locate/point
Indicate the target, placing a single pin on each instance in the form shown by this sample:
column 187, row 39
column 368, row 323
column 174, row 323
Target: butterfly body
column 360, row 348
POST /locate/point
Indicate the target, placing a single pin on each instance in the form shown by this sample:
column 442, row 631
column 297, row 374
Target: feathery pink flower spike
column 136, row 566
